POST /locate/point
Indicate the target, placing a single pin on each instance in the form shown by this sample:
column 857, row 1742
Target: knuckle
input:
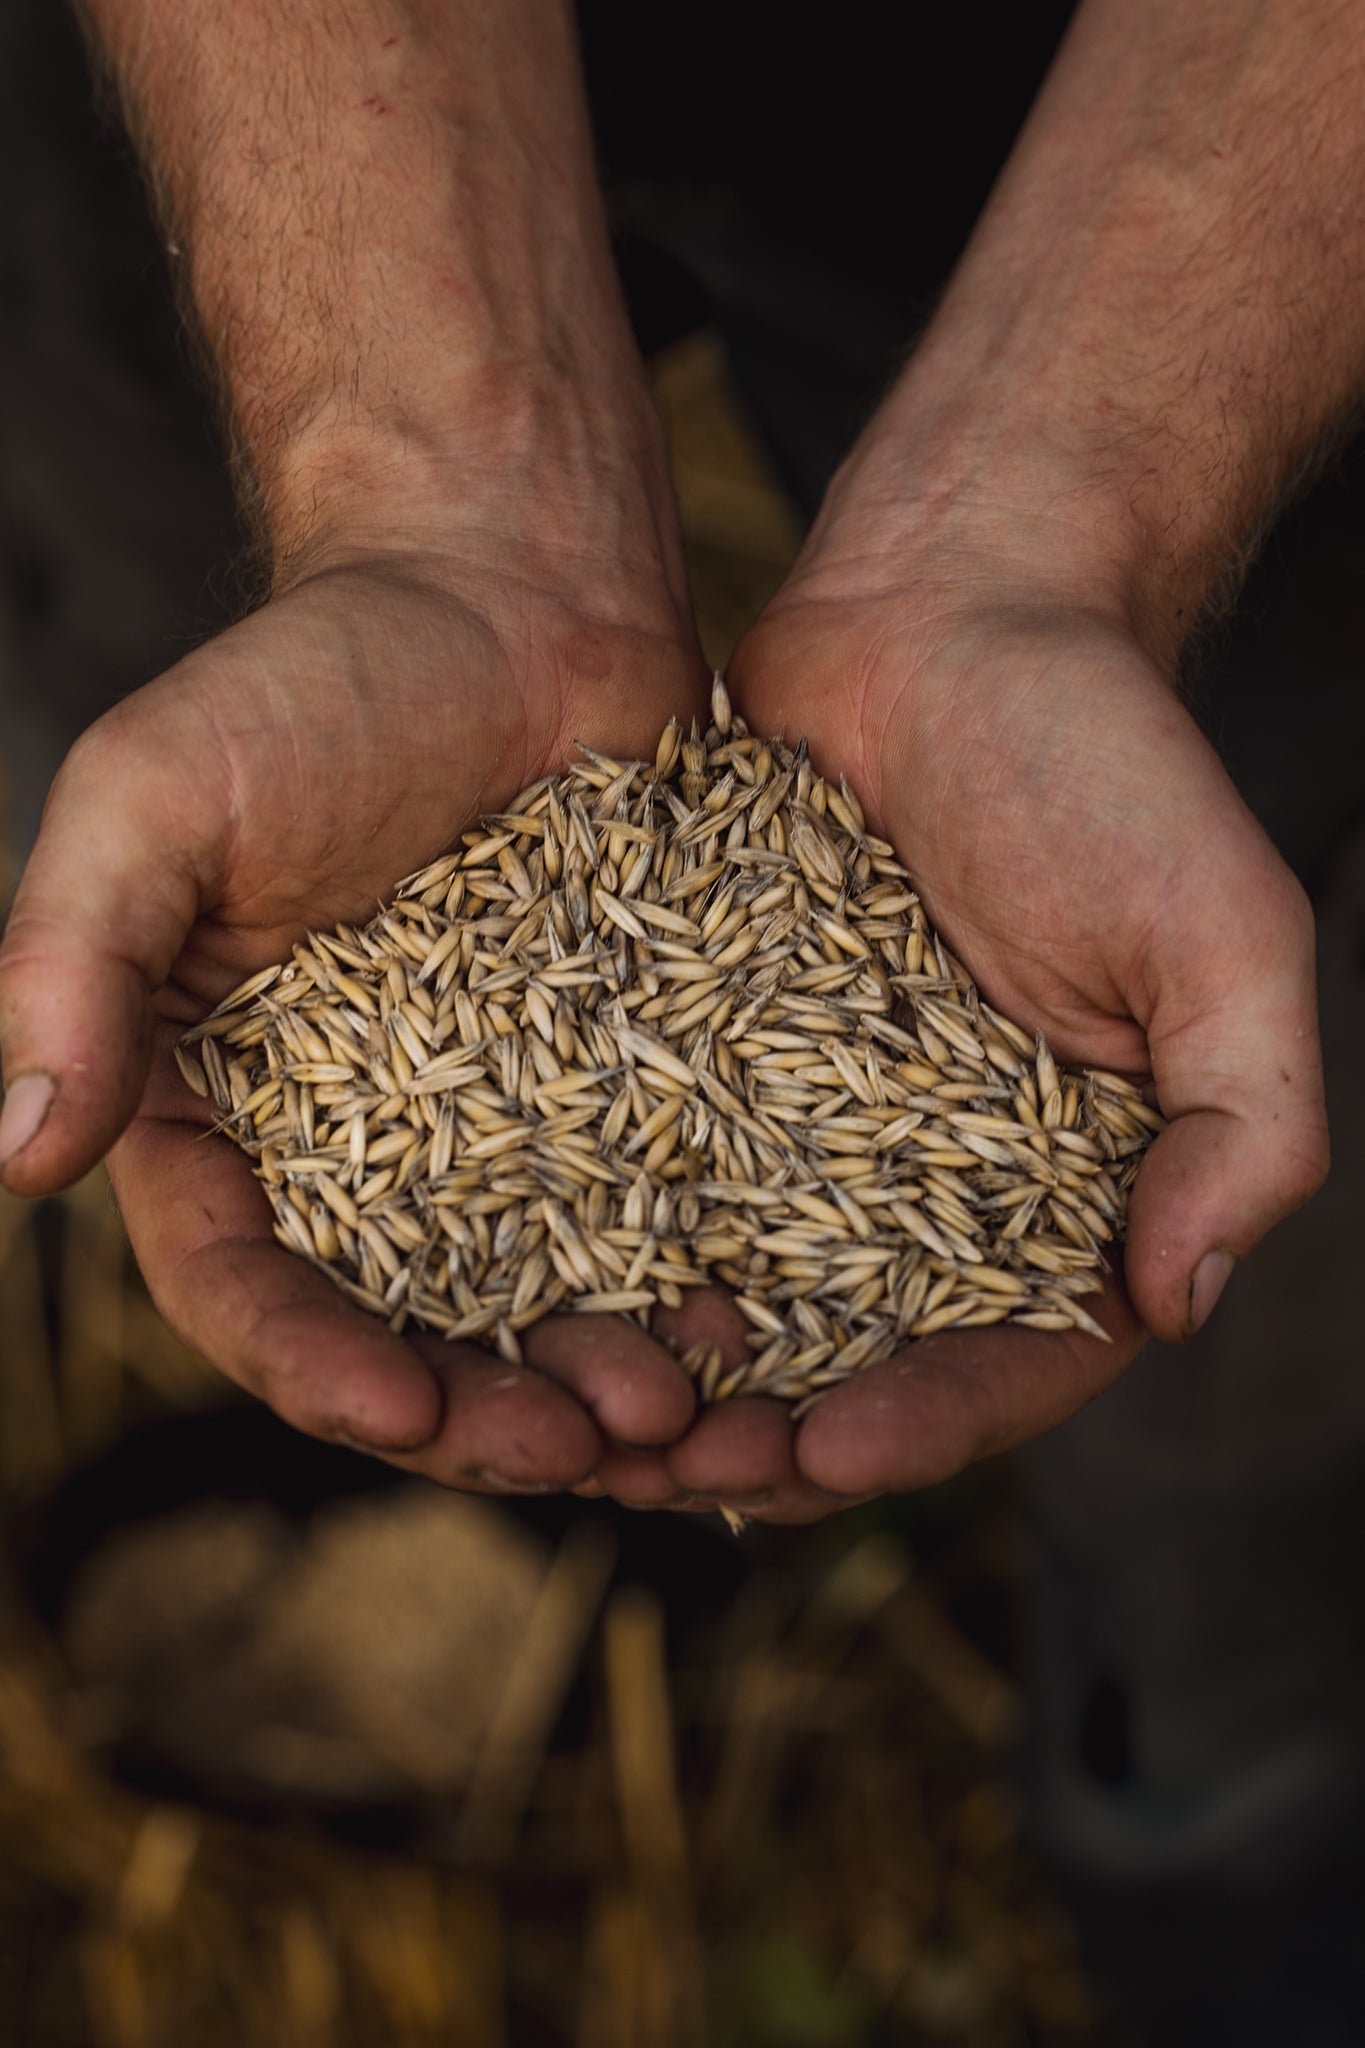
column 1295, row 915
column 1307, row 1167
column 95, row 753
column 26, row 949
column 117, row 757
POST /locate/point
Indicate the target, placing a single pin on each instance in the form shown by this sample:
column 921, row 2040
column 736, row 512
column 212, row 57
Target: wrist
column 985, row 487
column 531, row 454
column 393, row 241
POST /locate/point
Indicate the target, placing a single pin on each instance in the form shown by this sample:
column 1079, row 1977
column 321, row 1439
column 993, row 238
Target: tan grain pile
column 663, row 1025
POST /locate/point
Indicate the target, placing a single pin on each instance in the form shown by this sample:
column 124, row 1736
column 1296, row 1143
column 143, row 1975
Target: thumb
column 1235, row 1056
column 109, row 895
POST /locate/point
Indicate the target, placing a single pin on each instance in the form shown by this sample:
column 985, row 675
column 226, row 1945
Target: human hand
column 281, row 779
column 1082, row 850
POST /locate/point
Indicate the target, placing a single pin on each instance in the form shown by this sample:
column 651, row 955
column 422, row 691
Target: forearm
column 392, row 238
column 1160, row 320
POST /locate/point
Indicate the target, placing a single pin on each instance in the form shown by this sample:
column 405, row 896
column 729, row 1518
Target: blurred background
column 292, row 1751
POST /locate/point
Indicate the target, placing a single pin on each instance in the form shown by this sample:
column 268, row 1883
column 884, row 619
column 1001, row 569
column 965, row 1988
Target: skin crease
column 476, row 560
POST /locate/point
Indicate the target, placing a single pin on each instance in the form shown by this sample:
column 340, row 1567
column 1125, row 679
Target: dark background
column 1194, row 1763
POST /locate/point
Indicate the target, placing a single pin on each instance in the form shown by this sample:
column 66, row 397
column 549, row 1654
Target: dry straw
column 663, row 1025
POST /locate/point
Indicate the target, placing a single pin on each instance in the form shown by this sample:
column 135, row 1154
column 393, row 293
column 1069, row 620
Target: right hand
column 1081, row 848
column 276, row 781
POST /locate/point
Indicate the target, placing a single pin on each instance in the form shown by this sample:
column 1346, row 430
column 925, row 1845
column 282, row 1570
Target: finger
column 741, row 1452
column 638, row 1479
column 738, row 1451
column 110, row 892
column 634, row 1389
column 708, row 1316
column 504, row 1429
column 280, row 1328
column 1238, row 1071
column 202, row 1229
column 944, row 1402
column 646, row 1480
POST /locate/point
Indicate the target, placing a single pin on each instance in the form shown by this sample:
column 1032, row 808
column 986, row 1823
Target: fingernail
column 1211, row 1276
column 479, row 1475
column 27, row 1102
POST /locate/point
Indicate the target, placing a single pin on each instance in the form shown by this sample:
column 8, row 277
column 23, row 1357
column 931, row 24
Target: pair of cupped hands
column 431, row 648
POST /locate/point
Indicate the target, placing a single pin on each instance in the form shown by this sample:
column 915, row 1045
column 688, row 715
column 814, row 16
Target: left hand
column 277, row 780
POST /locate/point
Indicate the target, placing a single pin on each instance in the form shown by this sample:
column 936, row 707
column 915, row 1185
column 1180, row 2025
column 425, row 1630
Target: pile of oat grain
column 660, row 1026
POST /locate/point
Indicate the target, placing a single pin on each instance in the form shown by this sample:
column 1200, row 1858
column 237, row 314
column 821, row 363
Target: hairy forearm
column 1160, row 321
column 389, row 227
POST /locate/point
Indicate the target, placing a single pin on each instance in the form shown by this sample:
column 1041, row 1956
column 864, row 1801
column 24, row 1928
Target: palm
column 281, row 779
column 1004, row 768
column 1079, row 845
column 1069, row 827
column 354, row 728
column 985, row 817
